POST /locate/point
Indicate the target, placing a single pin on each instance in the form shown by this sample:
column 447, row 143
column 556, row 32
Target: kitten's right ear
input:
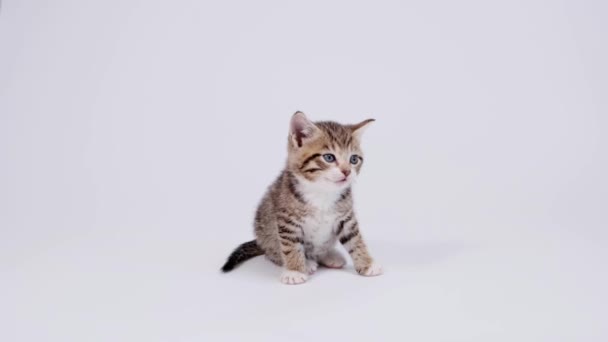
column 301, row 129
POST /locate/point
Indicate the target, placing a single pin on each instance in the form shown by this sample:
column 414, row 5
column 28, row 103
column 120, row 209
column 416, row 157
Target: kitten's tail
column 241, row 254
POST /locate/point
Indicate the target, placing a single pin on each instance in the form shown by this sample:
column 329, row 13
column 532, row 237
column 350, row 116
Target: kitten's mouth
column 342, row 181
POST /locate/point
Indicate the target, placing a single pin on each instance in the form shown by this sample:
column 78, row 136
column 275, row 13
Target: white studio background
column 136, row 138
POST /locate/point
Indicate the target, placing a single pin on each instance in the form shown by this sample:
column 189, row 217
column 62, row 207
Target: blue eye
column 330, row 158
column 354, row 159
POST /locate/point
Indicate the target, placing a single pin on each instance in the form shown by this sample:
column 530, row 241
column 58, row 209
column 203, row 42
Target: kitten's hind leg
column 332, row 259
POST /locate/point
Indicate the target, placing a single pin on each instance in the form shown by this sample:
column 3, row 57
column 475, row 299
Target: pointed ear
column 301, row 129
column 359, row 128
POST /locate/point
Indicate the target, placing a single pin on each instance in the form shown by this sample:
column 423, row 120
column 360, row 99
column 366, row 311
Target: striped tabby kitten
column 309, row 207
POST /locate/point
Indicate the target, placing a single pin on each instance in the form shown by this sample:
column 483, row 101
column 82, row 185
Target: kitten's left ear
column 301, row 129
column 359, row 128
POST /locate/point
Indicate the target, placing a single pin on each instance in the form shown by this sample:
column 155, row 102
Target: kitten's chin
column 339, row 183
column 326, row 184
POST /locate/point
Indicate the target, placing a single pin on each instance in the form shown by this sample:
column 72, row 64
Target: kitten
column 309, row 207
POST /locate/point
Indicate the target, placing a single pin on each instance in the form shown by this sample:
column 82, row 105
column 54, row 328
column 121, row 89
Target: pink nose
column 346, row 173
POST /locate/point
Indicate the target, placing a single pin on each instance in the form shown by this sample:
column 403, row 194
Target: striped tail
column 241, row 254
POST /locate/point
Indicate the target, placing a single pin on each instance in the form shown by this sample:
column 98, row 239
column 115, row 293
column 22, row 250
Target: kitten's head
column 326, row 152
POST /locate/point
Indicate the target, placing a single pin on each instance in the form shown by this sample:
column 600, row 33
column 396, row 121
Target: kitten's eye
column 354, row 159
column 330, row 158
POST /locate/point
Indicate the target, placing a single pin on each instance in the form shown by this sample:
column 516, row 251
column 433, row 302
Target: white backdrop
column 136, row 138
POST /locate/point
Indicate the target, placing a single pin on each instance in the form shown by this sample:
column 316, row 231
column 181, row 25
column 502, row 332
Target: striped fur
column 309, row 207
column 242, row 253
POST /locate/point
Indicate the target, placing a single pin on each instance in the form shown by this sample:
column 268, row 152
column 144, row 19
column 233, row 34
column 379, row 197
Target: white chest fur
column 318, row 230
column 318, row 226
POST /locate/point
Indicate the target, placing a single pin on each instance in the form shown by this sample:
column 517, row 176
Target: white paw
column 293, row 277
column 373, row 270
column 311, row 266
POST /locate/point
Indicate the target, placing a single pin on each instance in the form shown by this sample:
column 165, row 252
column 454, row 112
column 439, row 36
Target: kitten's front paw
column 372, row 270
column 311, row 266
column 293, row 277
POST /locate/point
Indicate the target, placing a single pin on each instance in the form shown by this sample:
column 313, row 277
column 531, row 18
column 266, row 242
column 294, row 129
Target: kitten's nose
column 346, row 173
